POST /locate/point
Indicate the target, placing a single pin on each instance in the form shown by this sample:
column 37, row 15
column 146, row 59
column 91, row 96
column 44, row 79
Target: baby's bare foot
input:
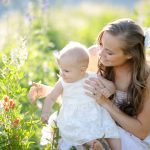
column 97, row 145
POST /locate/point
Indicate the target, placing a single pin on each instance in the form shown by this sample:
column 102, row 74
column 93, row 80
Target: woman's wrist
column 106, row 103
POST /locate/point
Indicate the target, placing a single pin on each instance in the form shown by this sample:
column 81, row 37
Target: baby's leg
column 114, row 143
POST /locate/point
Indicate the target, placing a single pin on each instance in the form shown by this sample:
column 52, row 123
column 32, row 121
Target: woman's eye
column 110, row 53
column 66, row 71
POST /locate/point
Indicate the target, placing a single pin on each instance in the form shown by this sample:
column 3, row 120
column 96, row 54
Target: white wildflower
column 47, row 133
column 14, row 56
column 46, row 67
column 4, row 58
column 19, row 55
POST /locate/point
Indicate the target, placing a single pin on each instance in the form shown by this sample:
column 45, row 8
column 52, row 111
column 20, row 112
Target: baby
column 80, row 120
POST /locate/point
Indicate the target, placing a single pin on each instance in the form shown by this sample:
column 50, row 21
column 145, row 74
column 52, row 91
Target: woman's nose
column 100, row 52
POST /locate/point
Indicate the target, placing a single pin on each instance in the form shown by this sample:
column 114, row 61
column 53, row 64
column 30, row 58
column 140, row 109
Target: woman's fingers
column 90, row 94
column 106, row 83
column 92, row 82
column 97, row 82
column 94, row 86
column 96, row 95
column 105, row 92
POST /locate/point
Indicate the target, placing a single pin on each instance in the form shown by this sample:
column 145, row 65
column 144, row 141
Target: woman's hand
column 99, row 88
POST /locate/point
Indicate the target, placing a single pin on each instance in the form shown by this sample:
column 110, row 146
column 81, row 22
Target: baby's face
column 70, row 70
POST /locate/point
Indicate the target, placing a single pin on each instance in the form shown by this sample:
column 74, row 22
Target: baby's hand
column 32, row 95
column 33, row 92
column 45, row 117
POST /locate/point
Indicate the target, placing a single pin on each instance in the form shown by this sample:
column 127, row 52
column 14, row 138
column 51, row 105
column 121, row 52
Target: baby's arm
column 50, row 99
column 108, row 87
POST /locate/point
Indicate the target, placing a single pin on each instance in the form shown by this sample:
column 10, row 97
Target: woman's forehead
column 112, row 42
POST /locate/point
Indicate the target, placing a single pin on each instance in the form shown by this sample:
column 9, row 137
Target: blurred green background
column 38, row 28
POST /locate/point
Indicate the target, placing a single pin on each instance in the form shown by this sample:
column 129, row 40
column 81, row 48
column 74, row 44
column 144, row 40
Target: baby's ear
column 83, row 68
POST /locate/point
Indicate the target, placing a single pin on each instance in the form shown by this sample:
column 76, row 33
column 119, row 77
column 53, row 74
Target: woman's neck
column 122, row 70
column 122, row 76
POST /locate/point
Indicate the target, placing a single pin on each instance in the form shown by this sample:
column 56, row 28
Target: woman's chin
column 105, row 63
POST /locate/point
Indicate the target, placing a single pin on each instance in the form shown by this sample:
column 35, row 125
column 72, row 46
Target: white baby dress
column 81, row 119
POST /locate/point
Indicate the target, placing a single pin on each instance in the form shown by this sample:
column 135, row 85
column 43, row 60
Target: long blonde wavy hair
column 133, row 37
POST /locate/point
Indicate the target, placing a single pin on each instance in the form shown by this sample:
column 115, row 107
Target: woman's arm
column 139, row 126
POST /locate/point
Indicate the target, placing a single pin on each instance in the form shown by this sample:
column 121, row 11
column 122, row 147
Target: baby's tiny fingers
column 35, row 84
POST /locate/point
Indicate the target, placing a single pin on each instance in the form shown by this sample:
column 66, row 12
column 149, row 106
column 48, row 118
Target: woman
column 122, row 60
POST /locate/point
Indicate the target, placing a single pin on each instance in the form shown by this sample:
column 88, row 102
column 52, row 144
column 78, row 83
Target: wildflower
column 19, row 55
column 3, row 104
column 14, row 56
column 4, row 58
column 16, row 122
column 6, row 98
column 6, row 108
column 17, row 137
column 12, row 103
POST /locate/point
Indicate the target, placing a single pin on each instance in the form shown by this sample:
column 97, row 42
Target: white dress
column 81, row 119
column 128, row 140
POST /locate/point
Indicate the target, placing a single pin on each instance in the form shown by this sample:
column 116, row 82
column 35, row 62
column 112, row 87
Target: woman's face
column 111, row 53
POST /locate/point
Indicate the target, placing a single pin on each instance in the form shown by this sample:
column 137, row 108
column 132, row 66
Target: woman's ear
column 129, row 56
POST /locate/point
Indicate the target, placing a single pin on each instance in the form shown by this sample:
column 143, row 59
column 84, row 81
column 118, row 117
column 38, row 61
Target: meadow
column 28, row 43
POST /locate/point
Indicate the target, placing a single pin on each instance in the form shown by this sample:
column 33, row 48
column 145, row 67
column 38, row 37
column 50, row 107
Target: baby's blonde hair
column 77, row 53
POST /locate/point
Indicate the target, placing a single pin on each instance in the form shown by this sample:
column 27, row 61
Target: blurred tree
column 142, row 13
